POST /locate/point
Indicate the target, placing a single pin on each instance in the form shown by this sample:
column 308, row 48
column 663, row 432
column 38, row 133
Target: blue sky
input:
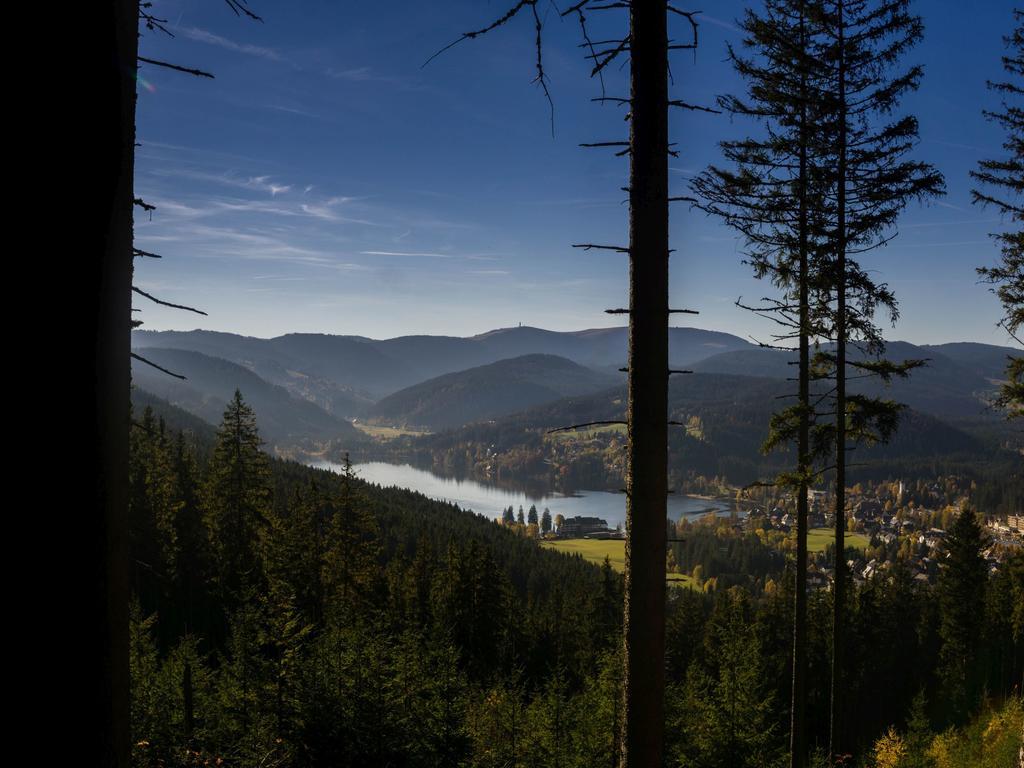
column 326, row 182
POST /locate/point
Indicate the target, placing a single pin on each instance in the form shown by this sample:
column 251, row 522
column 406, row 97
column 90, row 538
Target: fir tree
column 1002, row 182
column 352, row 568
column 726, row 711
column 962, row 587
column 873, row 181
column 237, row 500
column 773, row 196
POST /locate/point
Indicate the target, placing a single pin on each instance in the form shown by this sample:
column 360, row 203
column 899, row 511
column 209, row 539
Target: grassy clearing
column 386, row 433
column 819, row 538
column 595, row 551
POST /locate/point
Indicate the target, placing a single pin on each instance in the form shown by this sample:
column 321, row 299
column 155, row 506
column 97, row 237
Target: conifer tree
column 962, row 586
column 773, row 197
column 873, row 181
column 1002, row 183
column 352, row 574
column 726, row 714
column 236, row 498
column 189, row 566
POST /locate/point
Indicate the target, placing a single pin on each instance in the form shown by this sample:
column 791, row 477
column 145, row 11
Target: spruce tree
column 237, row 500
column 962, row 586
column 1002, row 183
column 772, row 195
column 873, row 181
column 352, row 573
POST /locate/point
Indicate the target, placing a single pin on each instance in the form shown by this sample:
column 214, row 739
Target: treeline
column 288, row 616
column 720, row 445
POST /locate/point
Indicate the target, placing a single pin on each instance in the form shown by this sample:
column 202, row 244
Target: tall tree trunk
column 647, row 483
column 839, row 580
column 798, row 709
column 105, row 279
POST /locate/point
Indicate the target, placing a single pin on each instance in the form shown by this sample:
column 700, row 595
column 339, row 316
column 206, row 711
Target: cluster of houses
column 587, row 528
column 871, row 517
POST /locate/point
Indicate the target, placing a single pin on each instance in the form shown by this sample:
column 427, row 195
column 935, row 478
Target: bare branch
column 177, row 68
column 141, row 359
column 167, row 303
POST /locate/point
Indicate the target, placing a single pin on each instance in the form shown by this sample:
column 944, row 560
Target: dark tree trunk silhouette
column 647, row 482
column 798, row 708
column 839, row 573
column 105, row 280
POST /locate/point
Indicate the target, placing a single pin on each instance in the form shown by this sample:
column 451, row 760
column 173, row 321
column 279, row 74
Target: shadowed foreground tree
column 865, row 41
column 773, row 196
column 104, row 284
column 962, row 585
column 647, row 45
column 1005, row 179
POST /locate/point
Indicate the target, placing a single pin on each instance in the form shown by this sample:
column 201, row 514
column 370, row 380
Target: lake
column 490, row 500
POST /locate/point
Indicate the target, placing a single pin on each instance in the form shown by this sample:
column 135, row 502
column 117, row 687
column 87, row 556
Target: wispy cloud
column 956, row 145
column 957, row 223
column 253, row 183
column 362, row 75
column 291, row 110
column 228, row 243
column 703, row 17
column 203, row 36
column 420, row 254
column 941, row 245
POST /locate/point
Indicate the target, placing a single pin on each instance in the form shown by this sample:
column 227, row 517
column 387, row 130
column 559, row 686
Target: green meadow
column 595, row 551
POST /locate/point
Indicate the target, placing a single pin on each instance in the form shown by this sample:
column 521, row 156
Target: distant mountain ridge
column 311, row 385
column 956, row 382
column 360, row 368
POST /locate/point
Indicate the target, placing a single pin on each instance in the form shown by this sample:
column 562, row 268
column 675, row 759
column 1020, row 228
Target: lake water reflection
column 490, row 500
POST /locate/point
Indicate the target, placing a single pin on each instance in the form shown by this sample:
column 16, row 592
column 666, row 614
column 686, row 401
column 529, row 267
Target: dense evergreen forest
column 286, row 616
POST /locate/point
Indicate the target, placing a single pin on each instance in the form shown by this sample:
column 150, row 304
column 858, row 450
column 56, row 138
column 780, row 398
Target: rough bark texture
column 646, row 482
column 105, row 280
column 798, row 713
column 839, row 579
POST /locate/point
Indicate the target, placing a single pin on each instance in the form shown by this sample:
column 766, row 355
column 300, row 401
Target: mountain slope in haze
column 956, row 383
column 175, row 418
column 989, row 360
column 212, row 381
column 488, row 392
column 341, row 372
column 335, row 372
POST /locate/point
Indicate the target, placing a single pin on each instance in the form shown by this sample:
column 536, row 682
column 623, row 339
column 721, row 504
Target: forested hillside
column 289, row 616
column 719, row 434
column 488, row 392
